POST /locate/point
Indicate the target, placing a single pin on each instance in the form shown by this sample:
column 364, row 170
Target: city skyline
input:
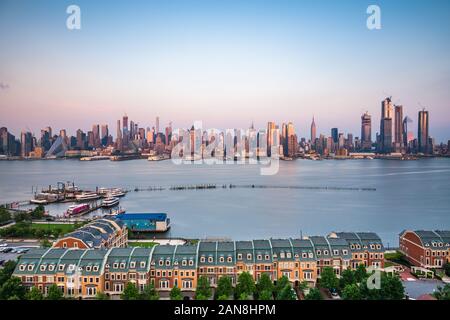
column 228, row 64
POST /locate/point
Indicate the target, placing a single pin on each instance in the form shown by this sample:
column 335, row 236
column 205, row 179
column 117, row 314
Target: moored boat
column 87, row 196
column 77, row 209
column 110, row 202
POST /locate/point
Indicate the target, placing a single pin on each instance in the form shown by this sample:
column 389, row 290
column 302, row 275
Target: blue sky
column 227, row 63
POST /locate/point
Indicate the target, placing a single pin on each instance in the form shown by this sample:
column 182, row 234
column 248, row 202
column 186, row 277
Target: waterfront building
column 422, row 132
column 425, row 248
column 335, row 135
column 366, row 131
column 85, row 272
column 104, row 135
column 386, row 135
column 270, row 136
column 313, row 131
column 101, row 233
column 145, row 222
column 8, row 145
column 366, row 248
column 26, row 143
column 398, row 132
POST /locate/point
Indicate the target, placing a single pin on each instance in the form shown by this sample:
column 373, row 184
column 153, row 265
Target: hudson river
column 408, row 194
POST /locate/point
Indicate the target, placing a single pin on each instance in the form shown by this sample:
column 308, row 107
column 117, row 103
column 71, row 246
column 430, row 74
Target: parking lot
column 12, row 250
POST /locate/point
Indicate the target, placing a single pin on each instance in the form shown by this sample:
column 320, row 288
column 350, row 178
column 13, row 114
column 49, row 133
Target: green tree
column 101, row 296
column 314, row 294
column 243, row 296
column 264, row 284
column 55, row 293
column 447, row 269
column 7, row 271
column 328, row 278
column 442, row 293
column 34, row 294
column 391, row 288
column 281, row 284
column 175, row 294
column 265, row 295
column 5, row 216
column 149, row 293
column 46, row 244
column 203, row 288
column 12, row 288
column 287, row 293
column 245, row 286
column 223, row 297
column 224, row 287
column 351, row 292
column 347, row 278
column 130, row 292
column 200, row 297
column 360, row 273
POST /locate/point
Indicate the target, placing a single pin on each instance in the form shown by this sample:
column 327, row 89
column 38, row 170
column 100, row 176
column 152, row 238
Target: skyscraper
column 422, row 133
column 157, row 125
column 398, row 133
column 387, row 113
column 313, row 131
column 270, row 132
column 366, row 131
column 119, row 141
column 335, row 135
column 96, row 133
column 104, row 134
column 26, row 143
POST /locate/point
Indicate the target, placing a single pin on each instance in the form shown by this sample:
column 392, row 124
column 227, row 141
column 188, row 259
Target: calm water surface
column 409, row 194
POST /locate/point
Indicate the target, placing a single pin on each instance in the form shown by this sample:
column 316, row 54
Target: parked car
column 7, row 250
column 3, row 244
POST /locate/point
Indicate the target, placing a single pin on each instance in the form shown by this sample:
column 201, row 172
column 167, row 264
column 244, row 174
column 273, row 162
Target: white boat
column 77, row 209
column 110, row 202
column 87, row 196
column 44, row 198
column 116, row 193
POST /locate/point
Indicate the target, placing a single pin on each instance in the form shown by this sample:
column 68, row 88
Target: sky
column 226, row 63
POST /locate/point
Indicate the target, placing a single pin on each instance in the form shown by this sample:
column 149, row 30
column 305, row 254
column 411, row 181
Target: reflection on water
column 409, row 194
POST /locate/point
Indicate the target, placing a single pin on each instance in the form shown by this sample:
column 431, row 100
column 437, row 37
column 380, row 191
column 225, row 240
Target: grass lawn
column 142, row 244
column 65, row 228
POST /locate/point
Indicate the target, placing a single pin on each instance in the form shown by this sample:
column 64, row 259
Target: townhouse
column 425, row 248
column 85, row 272
column 107, row 232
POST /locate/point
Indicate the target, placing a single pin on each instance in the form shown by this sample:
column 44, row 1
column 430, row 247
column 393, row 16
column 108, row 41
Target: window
column 122, row 265
column 259, row 257
column 43, row 267
column 318, row 252
column 288, row 255
column 239, row 256
column 115, row 265
column 95, row 268
column 51, row 267
column 202, row 259
column 167, row 262
column 325, row 252
column 222, row 259
column 267, row 257
column 249, row 256
column 183, row 263
column 142, row 264
column 61, row 267
column 64, row 244
column 133, row 264
column 161, row 262
column 210, row 259
column 22, row 267
column 336, row 252
column 281, row 254
column 345, row 251
column 164, row 284
column 191, row 262
column 88, row 268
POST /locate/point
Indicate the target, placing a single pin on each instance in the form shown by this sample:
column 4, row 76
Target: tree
column 175, row 294
column 442, row 293
column 281, row 284
column 102, row 296
column 391, row 288
column 5, row 216
column 200, row 297
column 287, row 293
column 447, row 269
column 265, row 295
column 224, row 287
column 223, row 297
column 203, row 288
column 7, row 271
column 360, row 273
column 347, row 278
column 243, row 296
column 351, row 292
column 46, row 244
column 34, row 294
column 245, row 286
column 314, row 294
column 264, row 285
column 328, row 278
column 54, row 293
column 130, row 292
column 149, row 293
column 12, row 288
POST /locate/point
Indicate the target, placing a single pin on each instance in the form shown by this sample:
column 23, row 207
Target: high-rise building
column 422, row 133
column 26, row 143
column 291, row 139
column 387, row 109
column 157, row 125
column 398, row 132
column 96, row 133
column 270, row 136
column 386, row 135
column 8, row 144
column 335, row 135
column 81, row 139
column 366, row 131
column 104, row 134
column 313, row 131
column 119, row 141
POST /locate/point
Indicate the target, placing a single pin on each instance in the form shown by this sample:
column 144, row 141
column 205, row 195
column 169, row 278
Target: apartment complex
column 426, row 249
column 101, row 233
column 85, row 272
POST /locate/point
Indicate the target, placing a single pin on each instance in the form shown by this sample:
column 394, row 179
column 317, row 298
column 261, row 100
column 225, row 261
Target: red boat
column 77, row 209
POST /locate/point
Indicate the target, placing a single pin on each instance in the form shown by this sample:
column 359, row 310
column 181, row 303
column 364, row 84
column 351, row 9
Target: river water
column 408, row 194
